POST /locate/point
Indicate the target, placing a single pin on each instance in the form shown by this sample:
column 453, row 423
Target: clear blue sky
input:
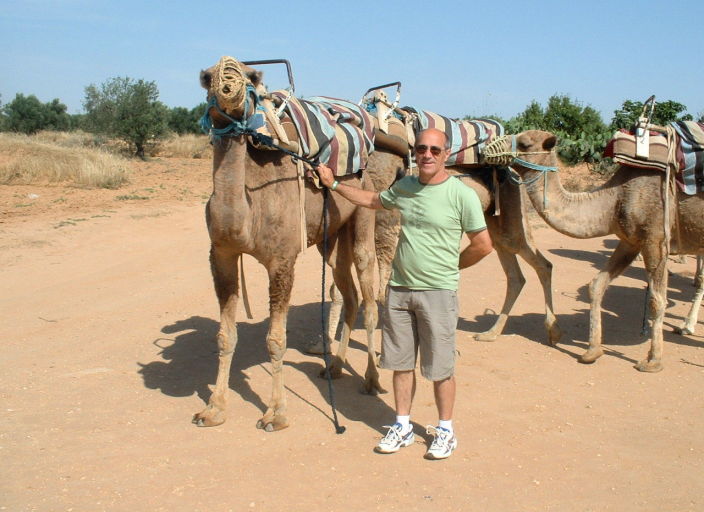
column 454, row 58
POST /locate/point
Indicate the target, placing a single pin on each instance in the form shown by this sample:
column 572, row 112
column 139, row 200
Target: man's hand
column 326, row 176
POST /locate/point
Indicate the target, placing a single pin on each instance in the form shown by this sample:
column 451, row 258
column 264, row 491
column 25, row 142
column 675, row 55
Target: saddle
column 395, row 129
column 686, row 157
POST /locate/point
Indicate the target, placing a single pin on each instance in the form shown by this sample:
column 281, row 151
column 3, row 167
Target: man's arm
column 354, row 195
column 479, row 246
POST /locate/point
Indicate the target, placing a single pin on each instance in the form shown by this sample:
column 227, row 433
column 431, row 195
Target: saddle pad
column 337, row 132
column 690, row 156
column 467, row 138
column 622, row 148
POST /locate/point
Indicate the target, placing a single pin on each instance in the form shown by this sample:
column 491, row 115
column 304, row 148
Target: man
column 421, row 304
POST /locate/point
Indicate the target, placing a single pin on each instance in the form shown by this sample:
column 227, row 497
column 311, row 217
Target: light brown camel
column 630, row 206
column 254, row 209
column 690, row 322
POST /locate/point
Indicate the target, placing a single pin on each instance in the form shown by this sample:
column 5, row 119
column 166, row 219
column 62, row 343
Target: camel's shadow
column 188, row 365
column 623, row 318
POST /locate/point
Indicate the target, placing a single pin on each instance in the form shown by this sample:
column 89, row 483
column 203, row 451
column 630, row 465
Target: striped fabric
column 467, row 138
column 690, row 156
column 337, row 132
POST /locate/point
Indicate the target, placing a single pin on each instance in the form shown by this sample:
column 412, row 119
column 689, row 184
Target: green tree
column 182, row 121
column 127, row 109
column 665, row 112
column 24, row 114
column 581, row 131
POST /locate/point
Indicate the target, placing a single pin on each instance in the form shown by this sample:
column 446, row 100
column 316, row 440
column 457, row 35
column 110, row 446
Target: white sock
column 405, row 422
column 446, row 424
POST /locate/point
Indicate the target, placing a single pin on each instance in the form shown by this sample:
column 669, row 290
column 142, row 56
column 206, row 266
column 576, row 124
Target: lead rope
column 323, row 317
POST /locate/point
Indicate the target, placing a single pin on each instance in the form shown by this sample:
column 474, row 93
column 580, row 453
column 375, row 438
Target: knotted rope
column 502, row 152
column 229, row 83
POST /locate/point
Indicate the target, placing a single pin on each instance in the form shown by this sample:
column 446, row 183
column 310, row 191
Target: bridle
column 502, row 152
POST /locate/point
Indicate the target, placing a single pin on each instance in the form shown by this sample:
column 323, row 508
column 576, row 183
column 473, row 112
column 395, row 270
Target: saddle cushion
column 467, row 137
column 337, row 132
column 622, row 148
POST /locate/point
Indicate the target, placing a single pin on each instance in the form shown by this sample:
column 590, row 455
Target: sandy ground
column 108, row 340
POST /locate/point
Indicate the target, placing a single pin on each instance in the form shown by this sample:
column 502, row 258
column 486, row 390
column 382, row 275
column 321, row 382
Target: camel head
column 232, row 90
column 533, row 147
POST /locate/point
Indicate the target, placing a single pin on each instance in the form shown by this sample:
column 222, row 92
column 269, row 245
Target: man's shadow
column 189, row 360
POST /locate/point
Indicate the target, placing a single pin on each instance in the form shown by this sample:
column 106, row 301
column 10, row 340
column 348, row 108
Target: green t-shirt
column 433, row 219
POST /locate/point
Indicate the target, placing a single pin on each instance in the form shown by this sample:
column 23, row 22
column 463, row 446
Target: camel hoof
column 648, row 366
column 372, row 389
column 485, row 336
column 316, row 349
column 590, row 356
column 335, row 372
column 278, row 423
column 554, row 335
column 682, row 330
column 209, row 417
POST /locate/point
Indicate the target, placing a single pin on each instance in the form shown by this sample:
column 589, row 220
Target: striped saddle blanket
column 467, row 138
column 689, row 154
column 337, row 132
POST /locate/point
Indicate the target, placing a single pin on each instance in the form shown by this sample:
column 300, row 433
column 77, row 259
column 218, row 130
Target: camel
column 690, row 321
column 630, row 206
column 246, row 215
column 254, row 209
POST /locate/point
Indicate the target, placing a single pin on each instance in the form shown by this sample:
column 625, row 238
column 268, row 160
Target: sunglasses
column 422, row 148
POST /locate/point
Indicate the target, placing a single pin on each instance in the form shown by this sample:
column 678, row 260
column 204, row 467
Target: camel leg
column 334, row 313
column 543, row 268
column 656, row 265
column 618, row 262
column 223, row 265
column 514, row 285
column 363, row 252
column 691, row 321
column 280, row 285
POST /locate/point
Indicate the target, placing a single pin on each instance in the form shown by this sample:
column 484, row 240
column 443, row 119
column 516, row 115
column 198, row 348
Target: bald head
column 438, row 138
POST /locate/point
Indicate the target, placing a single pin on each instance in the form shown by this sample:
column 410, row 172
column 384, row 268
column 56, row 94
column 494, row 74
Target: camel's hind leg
column 619, row 260
column 280, row 285
column 655, row 259
column 223, row 264
column 691, row 321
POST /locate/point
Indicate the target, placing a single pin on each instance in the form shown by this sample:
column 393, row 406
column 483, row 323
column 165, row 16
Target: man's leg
column 444, row 397
column 404, row 383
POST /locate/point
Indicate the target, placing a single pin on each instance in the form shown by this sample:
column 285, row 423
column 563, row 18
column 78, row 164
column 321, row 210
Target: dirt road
column 108, row 336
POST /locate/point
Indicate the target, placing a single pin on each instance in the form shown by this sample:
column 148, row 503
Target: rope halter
column 502, row 152
column 229, row 84
column 230, row 91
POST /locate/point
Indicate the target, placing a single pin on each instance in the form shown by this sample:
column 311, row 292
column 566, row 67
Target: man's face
column 430, row 153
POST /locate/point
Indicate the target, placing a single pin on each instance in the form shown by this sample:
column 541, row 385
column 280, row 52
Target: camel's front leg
column 223, row 264
column 514, row 285
column 280, row 284
column 656, row 265
column 619, row 260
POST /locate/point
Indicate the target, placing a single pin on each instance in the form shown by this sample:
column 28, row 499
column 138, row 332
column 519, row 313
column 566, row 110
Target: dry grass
column 184, row 146
column 56, row 157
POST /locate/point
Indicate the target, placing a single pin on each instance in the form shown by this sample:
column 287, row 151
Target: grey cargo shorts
column 419, row 321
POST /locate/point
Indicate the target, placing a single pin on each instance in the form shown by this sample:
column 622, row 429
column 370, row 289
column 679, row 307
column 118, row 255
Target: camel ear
column 254, row 76
column 206, row 76
column 550, row 143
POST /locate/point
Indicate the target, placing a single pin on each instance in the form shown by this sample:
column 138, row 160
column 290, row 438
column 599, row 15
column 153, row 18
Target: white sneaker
column 395, row 439
column 443, row 445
